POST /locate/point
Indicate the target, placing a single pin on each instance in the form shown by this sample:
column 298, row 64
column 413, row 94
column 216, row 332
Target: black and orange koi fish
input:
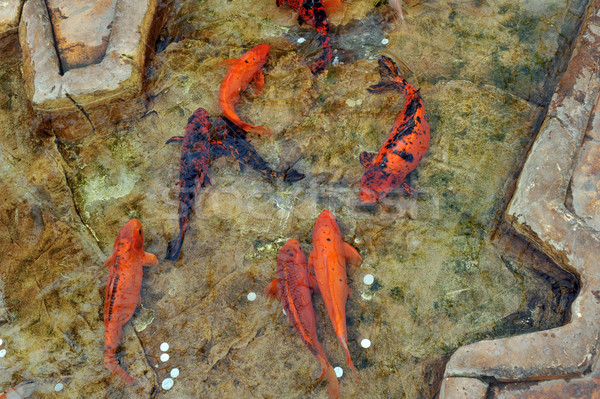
column 404, row 147
column 312, row 12
column 230, row 140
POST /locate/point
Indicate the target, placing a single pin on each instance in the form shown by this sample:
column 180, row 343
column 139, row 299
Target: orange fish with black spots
column 313, row 13
column 328, row 259
column 242, row 71
column 293, row 287
column 405, row 145
column 123, row 289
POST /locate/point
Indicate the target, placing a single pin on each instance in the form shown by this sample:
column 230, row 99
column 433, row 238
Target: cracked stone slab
column 539, row 211
column 81, row 29
column 115, row 79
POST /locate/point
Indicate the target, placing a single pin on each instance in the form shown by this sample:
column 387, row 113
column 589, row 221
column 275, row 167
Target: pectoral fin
column 272, row 290
column 175, row 139
column 110, row 260
column 352, row 256
column 366, row 158
column 149, row 259
column 313, row 283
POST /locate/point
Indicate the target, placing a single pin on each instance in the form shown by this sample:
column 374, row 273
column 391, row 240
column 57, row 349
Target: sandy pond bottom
column 445, row 270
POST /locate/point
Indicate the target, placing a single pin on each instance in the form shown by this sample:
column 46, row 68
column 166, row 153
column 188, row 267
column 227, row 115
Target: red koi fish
column 123, row 289
column 404, row 147
column 21, row 391
column 293, row 287
column 328, row 259
column 312, row 12
column 242, row 71
column 193, row 171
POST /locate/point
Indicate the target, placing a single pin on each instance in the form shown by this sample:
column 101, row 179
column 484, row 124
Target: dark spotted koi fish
column 293, row 287
column 230, row 140
column 123, row 289
column 328, row 259
column 20, row 391
column 404, row 147
column 193, row 172
column 312, row 12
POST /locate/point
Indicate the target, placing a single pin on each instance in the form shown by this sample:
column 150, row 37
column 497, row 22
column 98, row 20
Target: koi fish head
column 290, row 250
column 290, row 253
column 326, row 228
column 132, row 232
column 376, row 184
column 257, row 56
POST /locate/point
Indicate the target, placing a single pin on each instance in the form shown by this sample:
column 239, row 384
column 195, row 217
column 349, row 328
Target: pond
column 446, row 269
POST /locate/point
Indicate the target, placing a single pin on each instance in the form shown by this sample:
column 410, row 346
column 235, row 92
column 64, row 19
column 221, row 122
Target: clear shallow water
column 447, row 272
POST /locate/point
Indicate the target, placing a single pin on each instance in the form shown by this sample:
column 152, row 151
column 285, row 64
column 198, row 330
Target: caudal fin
column 348, row 358
column 174, row 247
column 292, row 175
column 327, row 372
column 110, row 362
column 21, row 391
column 261, row 130
column 390, row 76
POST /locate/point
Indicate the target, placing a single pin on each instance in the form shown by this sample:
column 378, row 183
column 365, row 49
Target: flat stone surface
column 463, row 388
column 538, row 211
column 585, row 184
column 576, row 388
column 81, row 30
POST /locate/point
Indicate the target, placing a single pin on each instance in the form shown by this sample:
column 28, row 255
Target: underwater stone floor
column 448, row 271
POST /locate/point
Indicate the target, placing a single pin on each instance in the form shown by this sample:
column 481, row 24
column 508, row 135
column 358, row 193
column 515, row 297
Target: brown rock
column 537, row 210
column 75, row 96
column 585, row 184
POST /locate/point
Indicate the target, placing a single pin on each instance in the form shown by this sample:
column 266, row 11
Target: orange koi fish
column 293, row 286
column 404, row 147
column 20, row 391
column 328, row 259
column 123, row 289
column 242, row 71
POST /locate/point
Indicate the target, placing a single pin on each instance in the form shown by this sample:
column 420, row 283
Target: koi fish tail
column 329, row 374
column 23, row 390
column 174, row 246
column 261, row 130
column 110, row 362
column 324, row 60
column 291, row 175
column 390, row 77
column 348, row 358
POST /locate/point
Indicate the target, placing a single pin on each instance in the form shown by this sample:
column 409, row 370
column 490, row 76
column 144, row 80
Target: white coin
column 338, row 372
column 301, row 40
column 1, row 341
column 365, row 343
column 167, row 384
column 59, row 387
column 2, row 352
column 175, row 373
column 385, row 41
column 164, row 357
column 251, row 296
column 164, row 347
column 368, row 279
